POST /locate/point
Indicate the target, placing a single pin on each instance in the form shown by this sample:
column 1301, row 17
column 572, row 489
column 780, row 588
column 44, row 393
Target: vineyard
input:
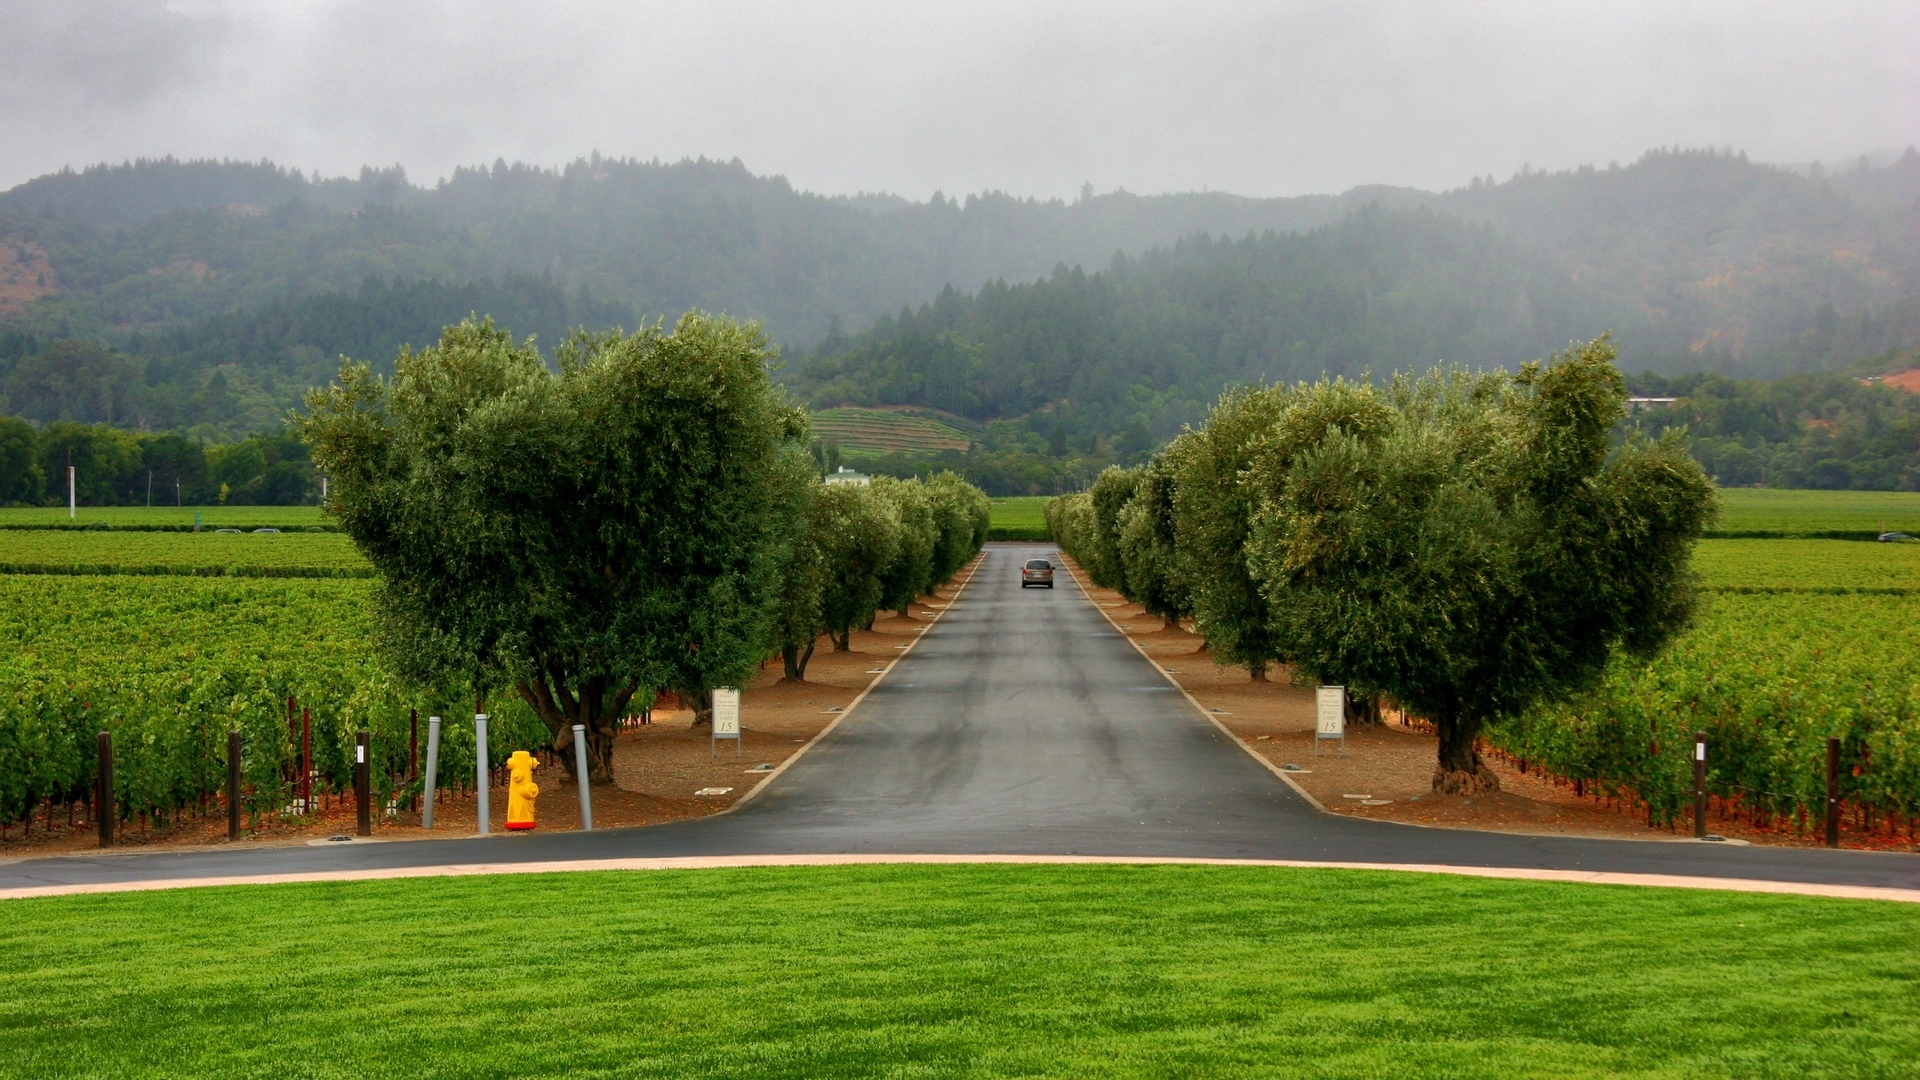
column 1812, row 566
column 1798, row 641
column 886, row 430
column 211, row 554
column 169, row 665
column 164, row 518
column 1019, row 517
column 1772, row 512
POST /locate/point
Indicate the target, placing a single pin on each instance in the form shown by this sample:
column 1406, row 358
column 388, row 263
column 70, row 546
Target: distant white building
column 1637, row 403
column 844, row 475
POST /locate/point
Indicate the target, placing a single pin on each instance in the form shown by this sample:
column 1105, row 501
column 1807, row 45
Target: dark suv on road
column 1036, row 572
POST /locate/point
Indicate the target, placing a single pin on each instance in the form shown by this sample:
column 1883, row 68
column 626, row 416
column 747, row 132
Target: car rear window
column 1039, row 564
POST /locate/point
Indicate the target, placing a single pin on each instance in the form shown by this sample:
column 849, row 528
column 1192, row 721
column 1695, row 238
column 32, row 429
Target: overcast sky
column 1030, row 98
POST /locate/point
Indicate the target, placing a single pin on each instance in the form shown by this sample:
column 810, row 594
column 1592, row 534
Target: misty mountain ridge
column 213, row 293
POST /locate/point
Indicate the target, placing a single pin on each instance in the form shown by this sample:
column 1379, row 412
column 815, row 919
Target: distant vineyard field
column 1779, row 512
column 245, row 554
column 1019, row 517
column 164, row 518
column 1813, row 566
column 888, row 431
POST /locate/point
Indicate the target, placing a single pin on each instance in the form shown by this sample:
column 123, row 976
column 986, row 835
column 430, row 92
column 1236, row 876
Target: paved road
column 1023, row 724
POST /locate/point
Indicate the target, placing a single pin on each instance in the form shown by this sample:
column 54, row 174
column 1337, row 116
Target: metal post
column 362, row 784
column 233, row 785
column 1699, row 785
column 1833, row 792
column 104, row 800
column 433, row 766
column 480, row 768
column 580, row 770
column 72, row 499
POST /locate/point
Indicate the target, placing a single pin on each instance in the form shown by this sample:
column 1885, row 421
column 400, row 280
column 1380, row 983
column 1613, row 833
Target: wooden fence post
column 104, row 802
column 233, row 785
column 362, row 788
column 1699, row 785
column 1833, row 792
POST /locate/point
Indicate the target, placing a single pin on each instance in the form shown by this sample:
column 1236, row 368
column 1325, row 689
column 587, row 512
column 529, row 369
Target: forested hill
column 155, row 243
column 240, row 372
column 1145, row 345
column 1697, row 249
column 171, row 295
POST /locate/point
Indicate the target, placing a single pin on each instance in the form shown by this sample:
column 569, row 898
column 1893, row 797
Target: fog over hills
column 178, row 272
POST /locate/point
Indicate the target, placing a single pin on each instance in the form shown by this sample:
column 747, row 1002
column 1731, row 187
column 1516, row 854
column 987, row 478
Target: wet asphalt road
column 1023, row 723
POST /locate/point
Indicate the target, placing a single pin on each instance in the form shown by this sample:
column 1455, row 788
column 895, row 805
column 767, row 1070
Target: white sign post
column 1330, row 716
column 726, row 718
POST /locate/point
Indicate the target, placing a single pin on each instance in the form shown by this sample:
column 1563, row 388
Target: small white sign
column 726, row 712
column 1330, row 711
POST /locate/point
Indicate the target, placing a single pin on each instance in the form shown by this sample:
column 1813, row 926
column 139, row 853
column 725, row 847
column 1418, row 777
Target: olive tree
column 1101, row 545
column 796, row 620
column 1149, row 542
column 1212, row 510
column 577, row 536
column 1474, row 545
column 857, row 533
column 959, row 509
column 911, row 571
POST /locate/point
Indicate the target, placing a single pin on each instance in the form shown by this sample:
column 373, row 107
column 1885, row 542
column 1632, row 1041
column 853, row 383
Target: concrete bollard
column 433, row 765
column 480, row 769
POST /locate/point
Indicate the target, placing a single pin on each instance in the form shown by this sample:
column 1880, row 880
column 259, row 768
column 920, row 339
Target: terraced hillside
column 888, row 430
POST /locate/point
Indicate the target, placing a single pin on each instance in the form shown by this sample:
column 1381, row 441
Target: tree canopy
column 1471, row 546
column 575, row 536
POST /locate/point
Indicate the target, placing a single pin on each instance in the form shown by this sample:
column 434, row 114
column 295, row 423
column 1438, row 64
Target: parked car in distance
column 1036, row 572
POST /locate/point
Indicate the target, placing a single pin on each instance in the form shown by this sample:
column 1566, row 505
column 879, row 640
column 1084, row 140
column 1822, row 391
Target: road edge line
column 754, row 792
column 1195, row 702
column 1885, row 893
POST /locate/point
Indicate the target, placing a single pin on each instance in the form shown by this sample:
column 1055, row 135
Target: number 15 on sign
column 1330, row 716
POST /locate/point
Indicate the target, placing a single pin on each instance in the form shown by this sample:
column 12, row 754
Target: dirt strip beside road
column 1385, row 771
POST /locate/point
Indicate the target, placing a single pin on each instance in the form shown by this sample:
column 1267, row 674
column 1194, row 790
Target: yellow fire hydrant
column 521, row 790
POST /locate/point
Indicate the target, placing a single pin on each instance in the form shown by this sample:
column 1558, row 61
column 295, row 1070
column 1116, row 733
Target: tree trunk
column 844, row 641
column 794, row 661
column 1460, row 771
column 700, row 700
column 597, row 707
column 1257, row 671
column 1363, row 708
column 1170, row 622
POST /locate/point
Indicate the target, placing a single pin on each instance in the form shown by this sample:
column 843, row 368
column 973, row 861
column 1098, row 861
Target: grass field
column 1802, row 566
column 888, row 430
column 959, row 971
column 245, row 554
column 212, row 517
column 1790, row 512
column 1019, row 517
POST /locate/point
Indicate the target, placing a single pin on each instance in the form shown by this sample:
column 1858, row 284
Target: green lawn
column 959, row 971
column 1776, row 510
column 1020, row 517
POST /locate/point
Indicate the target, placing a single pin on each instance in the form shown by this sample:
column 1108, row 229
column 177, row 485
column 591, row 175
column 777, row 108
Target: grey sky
column 1031, row 98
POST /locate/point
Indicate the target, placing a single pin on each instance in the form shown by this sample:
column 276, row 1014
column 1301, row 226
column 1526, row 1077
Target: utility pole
column 149, row 489
column 72, row 500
